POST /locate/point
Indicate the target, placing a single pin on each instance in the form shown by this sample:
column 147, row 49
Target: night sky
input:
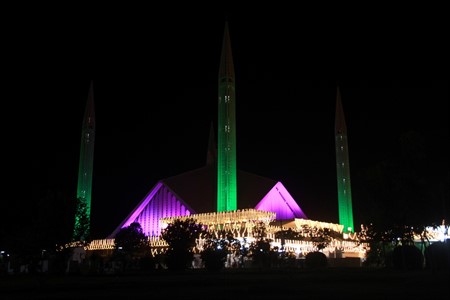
column 155, row 91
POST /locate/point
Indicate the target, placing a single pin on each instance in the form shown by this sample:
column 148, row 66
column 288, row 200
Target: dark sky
column 155, row 85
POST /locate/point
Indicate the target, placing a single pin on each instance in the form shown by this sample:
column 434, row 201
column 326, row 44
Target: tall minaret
column 343, row 169
column 226, row 150
column 84, row 190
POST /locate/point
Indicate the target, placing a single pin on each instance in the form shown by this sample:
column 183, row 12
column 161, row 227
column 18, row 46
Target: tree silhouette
column 81, row 230
column 214, row 254
column 44, row 223
column 131, row 244
column 260, row 249
column 131, row 239
column 181, row 235
column 217, row 248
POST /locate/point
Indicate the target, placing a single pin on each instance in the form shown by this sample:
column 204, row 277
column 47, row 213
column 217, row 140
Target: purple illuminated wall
column 279, row 201
column 161, row 202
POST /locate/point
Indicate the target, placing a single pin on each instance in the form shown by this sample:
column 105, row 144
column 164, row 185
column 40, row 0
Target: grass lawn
column 329, row 283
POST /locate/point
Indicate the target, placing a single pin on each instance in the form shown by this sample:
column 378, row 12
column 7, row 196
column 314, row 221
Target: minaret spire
column 84, row 190
column 343, row 168
column 226, row 150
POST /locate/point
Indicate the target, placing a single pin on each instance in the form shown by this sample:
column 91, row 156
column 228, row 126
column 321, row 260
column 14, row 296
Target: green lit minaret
column 343, row 169
column 84, row 190
column 226, row 151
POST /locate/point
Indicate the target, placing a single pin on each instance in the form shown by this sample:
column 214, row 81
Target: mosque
column 218, row 194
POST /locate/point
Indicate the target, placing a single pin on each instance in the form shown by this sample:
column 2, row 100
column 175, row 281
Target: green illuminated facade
column 84, row 190
column 343, row 169
column 226, row 152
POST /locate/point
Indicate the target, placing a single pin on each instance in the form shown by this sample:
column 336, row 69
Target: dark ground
column 330, row 283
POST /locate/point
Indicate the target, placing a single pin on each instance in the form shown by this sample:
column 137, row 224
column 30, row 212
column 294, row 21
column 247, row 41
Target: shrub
column 407, row 257
column 437, row 256
column 315, row 260
column 214, row 259
column 181, row 235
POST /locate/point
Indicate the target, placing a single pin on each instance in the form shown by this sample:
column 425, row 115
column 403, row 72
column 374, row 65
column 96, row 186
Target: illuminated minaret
column 84, row 190
column 343, row 169
column 226, row 150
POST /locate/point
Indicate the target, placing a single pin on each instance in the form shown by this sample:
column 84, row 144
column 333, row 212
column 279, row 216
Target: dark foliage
column 437, row 256
column 81, row 230
column 178, row 259
column 320, row 237
column 131, row 240
column 214, row 258
column 407, row 257
column 46, row 222
column 131, row 246
column 384, row 241
column 316, row 259
column 216, row 250
column 260, row 250
column 181, row 235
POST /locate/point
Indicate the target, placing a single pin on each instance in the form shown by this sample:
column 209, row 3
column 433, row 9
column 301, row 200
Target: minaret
column 343, row 169
column 84, row 190
column 226, row 150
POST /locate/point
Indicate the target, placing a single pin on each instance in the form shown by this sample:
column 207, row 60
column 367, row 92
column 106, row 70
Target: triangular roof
column 280, row 201
column 160, row 202
column 195, row 192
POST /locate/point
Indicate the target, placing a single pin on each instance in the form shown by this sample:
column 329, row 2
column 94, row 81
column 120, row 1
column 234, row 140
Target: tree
column 287, row 259
column 216, row 250
column 437, row 256
column 214, row 254
column 131, row 239
column 393, row 246
column 316, row 260
column 320, row 237
column 81, row 230
column 260, row 249
column 181, row 235
column 44, row 223
column 287, row 234
column 377, row 247
column 131, row 244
